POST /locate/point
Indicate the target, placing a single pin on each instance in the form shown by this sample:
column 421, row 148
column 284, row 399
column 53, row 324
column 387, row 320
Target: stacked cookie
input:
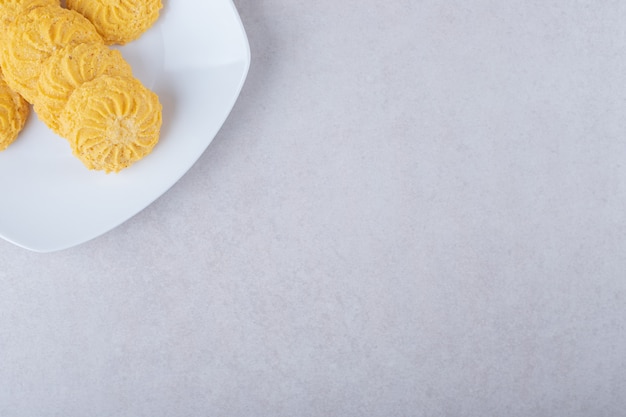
column 81, row 89
column 14, row 110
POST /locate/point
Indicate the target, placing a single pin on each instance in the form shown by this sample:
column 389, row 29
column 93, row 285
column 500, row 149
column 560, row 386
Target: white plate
column 196, row 57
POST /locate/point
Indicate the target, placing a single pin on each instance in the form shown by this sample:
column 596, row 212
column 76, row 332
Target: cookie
column 14, row 111
column 118, row 21
column 33, row 37
column 67, row 69
column 111, row 122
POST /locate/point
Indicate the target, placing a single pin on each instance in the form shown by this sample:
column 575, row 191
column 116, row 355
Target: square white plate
column 196, row 58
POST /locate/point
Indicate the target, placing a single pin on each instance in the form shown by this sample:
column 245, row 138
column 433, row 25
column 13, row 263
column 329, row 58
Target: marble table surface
column 416, row 208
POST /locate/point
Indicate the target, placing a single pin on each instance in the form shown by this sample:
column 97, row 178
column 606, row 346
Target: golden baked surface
column 118, row 21
column 67, row 69
column 9, row 9
column 33, row 37
column 111, row 122
column 13, row 114
column 55, row 59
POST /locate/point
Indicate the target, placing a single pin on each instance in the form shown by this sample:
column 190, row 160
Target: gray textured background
column 416, row 208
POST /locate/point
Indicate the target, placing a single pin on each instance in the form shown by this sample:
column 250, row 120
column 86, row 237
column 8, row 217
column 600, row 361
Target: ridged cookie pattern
column 118, row 21
column 112, row 122
column 85, row 92
column 67, row 69
column 9, row 9
column 33, row 37
column 14, row 111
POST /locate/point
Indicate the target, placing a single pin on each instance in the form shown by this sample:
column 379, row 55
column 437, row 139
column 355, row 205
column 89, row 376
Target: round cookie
column 14, row 111
column 67, row 69
column 32, row 38
column 111, row 122
column 118, row 21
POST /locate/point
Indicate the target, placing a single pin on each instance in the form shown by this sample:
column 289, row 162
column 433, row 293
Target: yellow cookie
column 32, row 38
column 13, row 114
column 9, row 9
column 118, row 21
column 67, row 69
column 111, row 122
